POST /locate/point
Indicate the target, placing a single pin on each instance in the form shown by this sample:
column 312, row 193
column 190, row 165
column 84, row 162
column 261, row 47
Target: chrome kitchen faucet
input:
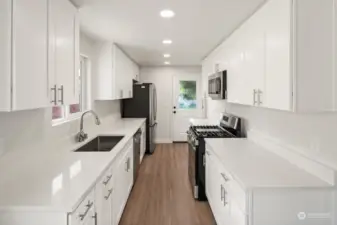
column 82, row 136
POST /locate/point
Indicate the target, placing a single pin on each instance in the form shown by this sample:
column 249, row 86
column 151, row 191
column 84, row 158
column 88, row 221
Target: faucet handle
column 81, row 136
column 85, row 136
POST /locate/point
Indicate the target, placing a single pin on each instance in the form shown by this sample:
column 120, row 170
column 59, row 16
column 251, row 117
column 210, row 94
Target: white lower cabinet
column 232, row 204
column 104, row 192
column 123, row 181
column 216, row 191
column 85, row 214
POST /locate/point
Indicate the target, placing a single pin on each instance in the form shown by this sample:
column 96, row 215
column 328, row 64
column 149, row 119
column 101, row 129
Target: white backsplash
column 313, row 135
column 26, row 129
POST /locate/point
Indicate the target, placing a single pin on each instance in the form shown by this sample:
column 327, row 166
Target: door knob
column 174, row 107
column 174, row 112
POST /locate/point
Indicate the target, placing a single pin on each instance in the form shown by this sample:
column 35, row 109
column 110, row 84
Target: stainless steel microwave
column 217, row 85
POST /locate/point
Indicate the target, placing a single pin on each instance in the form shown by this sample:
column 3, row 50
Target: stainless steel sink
column 101, row 144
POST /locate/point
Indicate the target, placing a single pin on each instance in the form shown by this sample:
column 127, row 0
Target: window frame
column 85, row 66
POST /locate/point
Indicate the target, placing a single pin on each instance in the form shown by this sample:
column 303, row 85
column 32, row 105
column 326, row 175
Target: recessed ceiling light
column 167, row 13
column 167, row 63
column 167, row 41
column 167, row 55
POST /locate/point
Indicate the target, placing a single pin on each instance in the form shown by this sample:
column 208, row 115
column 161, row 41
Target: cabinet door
column 5, row 54
column 212, row 185
column 129, row 77
column 120, row 74
column 91, row 218
column 254, row 78
column 216, row 190
column 236, row 68
column 105, row 83
column 129, row 175
column 65, row 51
column 118, row 195
column 29, row 59
column 104, row 189
column 277, row 20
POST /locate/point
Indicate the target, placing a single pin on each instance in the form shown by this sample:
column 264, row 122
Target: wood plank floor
column 162, row 194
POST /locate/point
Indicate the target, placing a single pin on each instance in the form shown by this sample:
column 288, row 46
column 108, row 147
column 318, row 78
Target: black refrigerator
column 143, row 105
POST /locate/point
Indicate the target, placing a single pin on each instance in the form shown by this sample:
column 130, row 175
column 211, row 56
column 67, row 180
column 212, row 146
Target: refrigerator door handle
column 155, row 103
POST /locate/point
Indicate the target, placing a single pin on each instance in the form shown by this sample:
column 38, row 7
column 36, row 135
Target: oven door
column 192, row 168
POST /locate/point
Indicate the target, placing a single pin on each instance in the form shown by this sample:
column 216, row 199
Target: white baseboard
column 294, row 156
column 163, row 141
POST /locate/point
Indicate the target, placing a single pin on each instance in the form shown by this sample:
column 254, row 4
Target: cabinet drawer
column 84, row 209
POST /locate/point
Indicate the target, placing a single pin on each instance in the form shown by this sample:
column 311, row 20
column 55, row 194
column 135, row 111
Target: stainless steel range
column 229, row 127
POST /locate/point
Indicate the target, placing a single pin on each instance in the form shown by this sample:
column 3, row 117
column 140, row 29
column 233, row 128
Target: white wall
column 25, row 129
column 162, row 77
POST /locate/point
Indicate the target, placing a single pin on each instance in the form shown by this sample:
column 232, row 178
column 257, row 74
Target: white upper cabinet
column 63, row 52
column 115, row 73
column 5, row 55
column 278, row 74
column 39, row 49
column 275, row 60
column 23, row 43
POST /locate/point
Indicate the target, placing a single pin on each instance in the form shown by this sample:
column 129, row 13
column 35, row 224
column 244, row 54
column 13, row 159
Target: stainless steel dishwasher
column 136, row 153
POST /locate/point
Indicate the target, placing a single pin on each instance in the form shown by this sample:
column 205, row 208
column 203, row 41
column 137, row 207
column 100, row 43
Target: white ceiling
column 135, row 25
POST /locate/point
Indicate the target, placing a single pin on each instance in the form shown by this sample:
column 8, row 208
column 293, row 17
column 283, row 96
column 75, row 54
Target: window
column 187, row 95
column 64, row 113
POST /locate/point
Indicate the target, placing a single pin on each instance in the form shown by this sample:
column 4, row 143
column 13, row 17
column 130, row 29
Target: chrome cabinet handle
column 224, row 197
column 259, row 93
column 53, row 89
column 130, row 93
column 108, row 196
column 61, row 89
column 254, row 97
column 225, row 177
column 204, row 160
column 89, row 205
column 121, row 93
column 127, row 165
column 107, row 180
column 222, row 192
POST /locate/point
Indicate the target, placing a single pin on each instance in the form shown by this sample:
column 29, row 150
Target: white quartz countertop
column 53, row 177
column 252, row 166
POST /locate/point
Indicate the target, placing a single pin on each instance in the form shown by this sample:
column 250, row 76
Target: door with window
column 187, row 104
